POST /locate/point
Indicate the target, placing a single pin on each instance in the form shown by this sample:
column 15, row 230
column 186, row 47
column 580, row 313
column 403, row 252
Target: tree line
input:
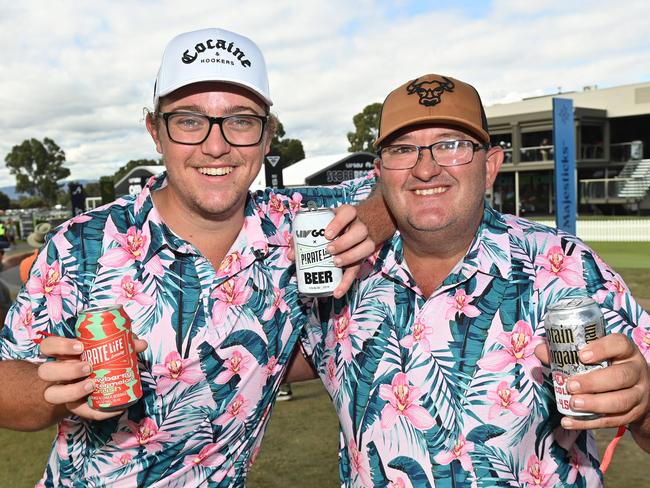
column 39, row 166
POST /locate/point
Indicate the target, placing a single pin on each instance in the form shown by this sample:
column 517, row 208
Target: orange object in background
column 26, row 265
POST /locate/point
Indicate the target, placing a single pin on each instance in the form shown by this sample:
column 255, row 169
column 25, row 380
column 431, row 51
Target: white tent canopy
column 296, row 174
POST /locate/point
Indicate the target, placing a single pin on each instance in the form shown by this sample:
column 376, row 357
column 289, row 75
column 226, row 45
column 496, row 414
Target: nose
column 426, row 167
column 215, row 145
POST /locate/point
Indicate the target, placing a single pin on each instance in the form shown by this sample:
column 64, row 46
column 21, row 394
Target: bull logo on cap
column 430, row 91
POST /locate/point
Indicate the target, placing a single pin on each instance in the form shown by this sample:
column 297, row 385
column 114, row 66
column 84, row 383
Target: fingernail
column 329, row 234
column 573, row 386
column 578, row 403
column 330, row 248
column 567, row 423
column 78, row 346
column 86, row 369
column 585, row 355
column 337, row 261
column 89, row 386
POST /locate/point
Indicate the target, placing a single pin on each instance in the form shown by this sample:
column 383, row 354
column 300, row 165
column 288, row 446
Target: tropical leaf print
column 412, row 470
column 377, row 472
column 467, row 351
column 446, row 401
column 496, row 467
column 470, row 333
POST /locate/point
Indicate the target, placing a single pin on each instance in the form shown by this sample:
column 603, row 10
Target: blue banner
column 565, row 165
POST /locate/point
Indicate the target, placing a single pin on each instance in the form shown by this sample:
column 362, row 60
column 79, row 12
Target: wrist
column 640, row 430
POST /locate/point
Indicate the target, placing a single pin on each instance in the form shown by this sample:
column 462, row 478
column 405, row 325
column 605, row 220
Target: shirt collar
column 489, row 253
column 250, row 244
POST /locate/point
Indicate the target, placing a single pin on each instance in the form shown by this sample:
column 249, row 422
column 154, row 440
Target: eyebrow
column 234, row 109
column 403, row 139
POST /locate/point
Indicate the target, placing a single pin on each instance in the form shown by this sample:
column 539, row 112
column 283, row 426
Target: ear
column 493, row 162
column 377, row 163
column 152, row 127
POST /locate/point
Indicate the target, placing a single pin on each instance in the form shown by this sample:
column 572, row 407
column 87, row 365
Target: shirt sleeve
column 622, row 312
column 348, row 192
column 46, row 304
column 582, row 273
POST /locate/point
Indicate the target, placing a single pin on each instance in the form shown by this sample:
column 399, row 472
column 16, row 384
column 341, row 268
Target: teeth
column 216, row 171
column 431, row 191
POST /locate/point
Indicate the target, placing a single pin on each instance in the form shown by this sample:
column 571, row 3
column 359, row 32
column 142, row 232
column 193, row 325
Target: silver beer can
column 570, row 325
column 315, row 270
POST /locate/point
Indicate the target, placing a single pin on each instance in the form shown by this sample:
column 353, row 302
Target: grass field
column 632, row 261
column 634, row 255
column 300, row 447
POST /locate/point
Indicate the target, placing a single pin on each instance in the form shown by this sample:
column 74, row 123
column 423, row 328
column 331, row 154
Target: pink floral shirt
column 219, row 339
column 445, row 390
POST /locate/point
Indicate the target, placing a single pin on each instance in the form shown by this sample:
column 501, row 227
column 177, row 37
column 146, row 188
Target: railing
column 621, row 151
column 592, row 151
column 625, row 230
column 626, row 151
column 632, row 189
column 536, row 153
column 612, row 188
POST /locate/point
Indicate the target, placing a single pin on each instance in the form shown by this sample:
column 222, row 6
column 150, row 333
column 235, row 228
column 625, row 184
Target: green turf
column 301, row 445
column 634, row 255
column 631, row 260
column 23, row 456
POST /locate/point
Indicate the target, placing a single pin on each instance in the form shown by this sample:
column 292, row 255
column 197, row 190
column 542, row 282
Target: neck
column 213, row 235
column 432, row 255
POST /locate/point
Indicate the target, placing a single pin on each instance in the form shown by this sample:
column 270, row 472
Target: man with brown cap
column 430, row 358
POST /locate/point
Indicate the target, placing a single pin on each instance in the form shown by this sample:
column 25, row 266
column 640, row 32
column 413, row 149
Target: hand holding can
column 108, row 346
column 67, row 376
column 315, row 269
column 570, row 325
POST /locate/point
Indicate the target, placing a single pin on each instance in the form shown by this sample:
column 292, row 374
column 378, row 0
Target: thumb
column 542, row 353
column 139, row 344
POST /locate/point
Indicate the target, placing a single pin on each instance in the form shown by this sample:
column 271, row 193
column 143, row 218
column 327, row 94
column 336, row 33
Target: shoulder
column 542, row 235
column 82, row 229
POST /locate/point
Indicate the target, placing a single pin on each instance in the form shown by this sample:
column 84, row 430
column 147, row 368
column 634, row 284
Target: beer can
column 315, row 270
column 570, row 325
column 108, row 346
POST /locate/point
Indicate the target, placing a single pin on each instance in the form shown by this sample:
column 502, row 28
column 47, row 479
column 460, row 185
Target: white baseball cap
column 212, row 55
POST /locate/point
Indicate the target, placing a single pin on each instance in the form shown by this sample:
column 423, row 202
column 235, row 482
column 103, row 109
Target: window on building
column 591, row 141
column 537, row 146
column 535, row 193
column 503, row 193
column 505, row 142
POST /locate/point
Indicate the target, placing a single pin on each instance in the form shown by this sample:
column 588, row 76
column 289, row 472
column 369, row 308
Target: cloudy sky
column 81, row 72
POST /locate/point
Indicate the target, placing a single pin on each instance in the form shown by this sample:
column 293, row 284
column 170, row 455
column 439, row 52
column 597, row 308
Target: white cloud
column 80, row 72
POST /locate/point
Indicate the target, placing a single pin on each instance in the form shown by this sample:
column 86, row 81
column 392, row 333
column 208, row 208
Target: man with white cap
column 200, row 266
column 430, row 358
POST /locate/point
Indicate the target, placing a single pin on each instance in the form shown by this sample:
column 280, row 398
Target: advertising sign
column 565, row 165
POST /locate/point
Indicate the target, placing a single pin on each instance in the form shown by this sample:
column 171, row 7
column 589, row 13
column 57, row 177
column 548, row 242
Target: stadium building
column 612, row 152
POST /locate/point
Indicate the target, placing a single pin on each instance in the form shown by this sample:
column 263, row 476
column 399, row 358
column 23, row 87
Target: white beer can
column 317, row 275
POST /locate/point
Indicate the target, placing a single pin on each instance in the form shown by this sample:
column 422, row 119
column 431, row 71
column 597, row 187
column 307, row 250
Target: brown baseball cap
column 433, row 98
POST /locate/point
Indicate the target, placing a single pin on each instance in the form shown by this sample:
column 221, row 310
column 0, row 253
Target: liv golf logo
column 216, row 47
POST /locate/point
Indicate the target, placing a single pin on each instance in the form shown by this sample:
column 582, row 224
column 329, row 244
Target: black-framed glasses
column 445, row 153
column 194, row 128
